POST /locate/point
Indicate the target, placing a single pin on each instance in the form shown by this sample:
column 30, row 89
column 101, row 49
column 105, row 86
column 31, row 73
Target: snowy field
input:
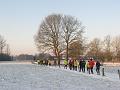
column 37, row 77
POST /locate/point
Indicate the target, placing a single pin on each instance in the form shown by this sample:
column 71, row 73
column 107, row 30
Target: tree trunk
column 67, row 52
column 58, row 57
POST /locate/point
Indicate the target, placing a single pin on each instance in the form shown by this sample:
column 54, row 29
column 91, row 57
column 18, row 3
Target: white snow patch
column 38, row 77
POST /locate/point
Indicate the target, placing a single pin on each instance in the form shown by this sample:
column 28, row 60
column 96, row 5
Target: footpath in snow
column 108, row 75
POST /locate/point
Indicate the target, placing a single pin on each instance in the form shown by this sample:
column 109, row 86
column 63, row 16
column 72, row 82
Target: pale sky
column 20, row 19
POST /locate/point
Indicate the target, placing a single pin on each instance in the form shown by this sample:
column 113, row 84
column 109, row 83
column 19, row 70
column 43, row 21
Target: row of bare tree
column 61, row 33
column 4, row 47
column 105, row 50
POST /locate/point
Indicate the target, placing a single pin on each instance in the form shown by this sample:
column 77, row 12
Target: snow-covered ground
column 37, row 77
column 111, row 64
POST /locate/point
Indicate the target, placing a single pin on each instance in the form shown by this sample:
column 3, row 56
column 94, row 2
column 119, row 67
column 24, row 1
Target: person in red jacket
column 91, row 64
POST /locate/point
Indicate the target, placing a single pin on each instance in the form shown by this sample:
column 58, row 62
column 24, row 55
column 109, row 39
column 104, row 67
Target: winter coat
column 70, row 62
column 87, row 65
column 80, row 63
column 98, row 64
column 65, row 62
column 83, row 63
column 91, row 63
column 75, row 63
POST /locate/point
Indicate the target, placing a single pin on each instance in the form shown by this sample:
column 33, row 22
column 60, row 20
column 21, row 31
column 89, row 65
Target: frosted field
column 36, row 77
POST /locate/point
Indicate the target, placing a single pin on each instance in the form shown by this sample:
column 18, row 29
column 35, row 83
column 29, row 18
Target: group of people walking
column 82, row 65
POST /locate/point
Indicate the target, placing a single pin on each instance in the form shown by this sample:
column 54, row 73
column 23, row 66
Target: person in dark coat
column 80, row 65
column 83, row 65
column 72, row 61
column 70, row 64
column 98, row 67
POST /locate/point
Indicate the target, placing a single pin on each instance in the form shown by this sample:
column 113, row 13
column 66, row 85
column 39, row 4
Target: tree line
column 59, row 33
column 4, row 50
column 106, row 50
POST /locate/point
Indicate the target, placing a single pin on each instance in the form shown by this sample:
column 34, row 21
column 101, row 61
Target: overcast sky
column 20, row 19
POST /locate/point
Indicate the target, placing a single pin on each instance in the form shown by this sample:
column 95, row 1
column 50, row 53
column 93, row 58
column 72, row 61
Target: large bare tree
column 57, row 32
column 49, row 35
column 72, row 31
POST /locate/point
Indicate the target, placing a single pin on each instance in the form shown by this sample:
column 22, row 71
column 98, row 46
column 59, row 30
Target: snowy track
column 35, row 77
